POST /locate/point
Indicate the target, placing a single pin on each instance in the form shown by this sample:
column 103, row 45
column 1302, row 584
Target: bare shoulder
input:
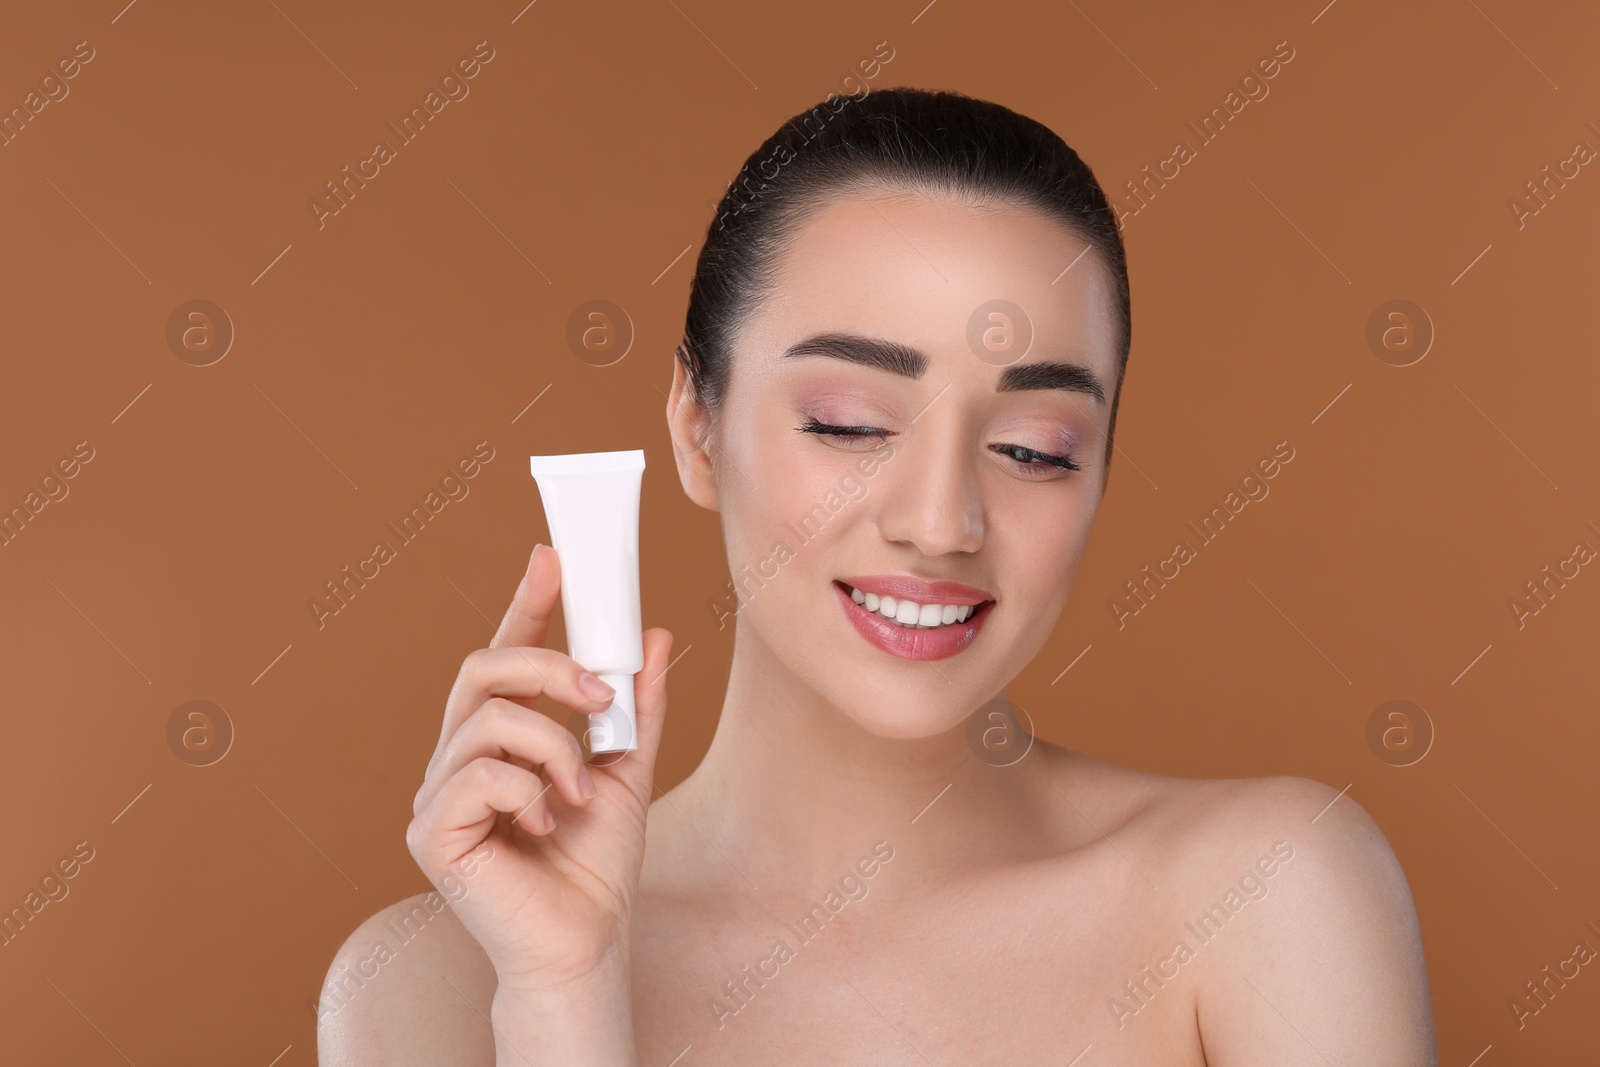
column 1299, row 918
column 1290, row 918
column 410, row 986
column 1225, row 823
column 1203, row 824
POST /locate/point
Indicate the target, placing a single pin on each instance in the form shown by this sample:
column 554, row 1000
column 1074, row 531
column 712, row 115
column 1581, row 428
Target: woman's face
column 955, row 489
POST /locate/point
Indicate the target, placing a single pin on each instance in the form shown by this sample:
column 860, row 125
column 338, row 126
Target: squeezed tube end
column 615, row 729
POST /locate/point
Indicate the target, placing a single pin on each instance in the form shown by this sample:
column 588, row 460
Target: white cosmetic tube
column 591, row 502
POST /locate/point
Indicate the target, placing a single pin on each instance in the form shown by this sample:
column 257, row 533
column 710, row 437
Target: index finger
column 527, row 620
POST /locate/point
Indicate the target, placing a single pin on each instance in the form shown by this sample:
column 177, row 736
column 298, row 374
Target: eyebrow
column 897, row 358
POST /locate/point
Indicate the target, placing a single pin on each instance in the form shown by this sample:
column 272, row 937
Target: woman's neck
column 792, row 791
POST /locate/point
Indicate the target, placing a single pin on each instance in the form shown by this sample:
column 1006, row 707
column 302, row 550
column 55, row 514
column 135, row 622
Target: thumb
column 650, row 710
column 527, row 620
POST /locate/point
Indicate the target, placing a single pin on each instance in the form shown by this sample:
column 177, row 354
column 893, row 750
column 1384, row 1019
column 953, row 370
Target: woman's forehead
column 930, row 271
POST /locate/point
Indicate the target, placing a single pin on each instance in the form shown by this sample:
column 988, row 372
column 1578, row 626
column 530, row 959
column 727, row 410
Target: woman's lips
column 921, row 590
column 939, row 643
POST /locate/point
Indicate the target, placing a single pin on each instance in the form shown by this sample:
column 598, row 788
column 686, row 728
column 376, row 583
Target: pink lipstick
column 931, row 619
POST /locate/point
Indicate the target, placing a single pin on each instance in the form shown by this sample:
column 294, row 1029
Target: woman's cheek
column 770, row 513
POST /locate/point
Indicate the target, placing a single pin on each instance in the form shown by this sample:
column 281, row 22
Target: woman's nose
column 933, row 503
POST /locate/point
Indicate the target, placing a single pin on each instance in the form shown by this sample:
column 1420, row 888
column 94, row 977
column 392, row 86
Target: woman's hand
column 551, row 906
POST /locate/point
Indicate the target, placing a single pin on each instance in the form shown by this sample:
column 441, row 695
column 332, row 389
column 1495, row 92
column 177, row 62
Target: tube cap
column 615, row 729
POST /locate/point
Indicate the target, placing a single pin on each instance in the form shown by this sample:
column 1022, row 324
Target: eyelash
column 1039, row 461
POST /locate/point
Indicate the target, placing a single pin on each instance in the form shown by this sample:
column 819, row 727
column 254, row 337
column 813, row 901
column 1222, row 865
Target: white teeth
column 910, row 614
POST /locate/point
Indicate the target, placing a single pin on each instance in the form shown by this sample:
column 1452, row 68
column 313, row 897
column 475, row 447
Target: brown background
column 584, row 164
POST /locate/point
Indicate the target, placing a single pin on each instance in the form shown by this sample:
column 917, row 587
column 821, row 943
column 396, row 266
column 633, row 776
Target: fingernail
column 585, row 782
column 595, row 687
column 549, row 821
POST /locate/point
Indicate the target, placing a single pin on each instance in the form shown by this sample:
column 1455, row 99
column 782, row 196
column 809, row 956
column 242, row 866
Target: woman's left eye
column 1031, row 460
column 1036, row 460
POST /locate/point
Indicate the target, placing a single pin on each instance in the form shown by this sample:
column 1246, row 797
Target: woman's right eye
column 843, row 433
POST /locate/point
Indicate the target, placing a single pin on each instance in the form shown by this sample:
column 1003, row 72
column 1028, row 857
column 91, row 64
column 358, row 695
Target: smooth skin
column 1019, row 905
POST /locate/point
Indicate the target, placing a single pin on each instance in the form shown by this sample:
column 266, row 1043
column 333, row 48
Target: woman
column 898, row 385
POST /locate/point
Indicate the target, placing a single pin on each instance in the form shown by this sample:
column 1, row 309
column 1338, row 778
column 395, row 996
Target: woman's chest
column 1006, row 972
